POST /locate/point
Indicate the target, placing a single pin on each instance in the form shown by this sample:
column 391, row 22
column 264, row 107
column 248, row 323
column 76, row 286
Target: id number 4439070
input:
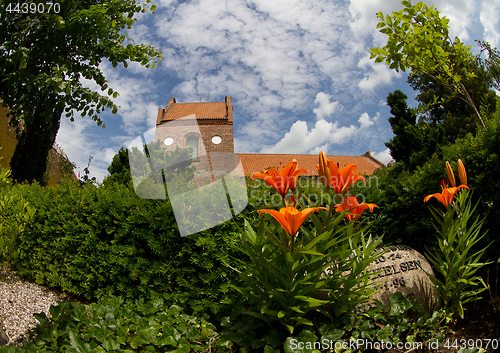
column 31, row 7
column 471, row 343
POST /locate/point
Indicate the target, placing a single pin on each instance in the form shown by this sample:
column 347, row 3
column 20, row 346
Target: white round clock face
column 216, row 140
column 168, row 141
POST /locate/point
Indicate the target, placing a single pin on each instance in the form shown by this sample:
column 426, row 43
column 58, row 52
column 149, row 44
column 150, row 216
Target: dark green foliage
column 403, row 322
column 115, row 325
column 454, row 115
column 454, row 262
column 15, row 213
column 413, row 144
column 481, row 156
column 446, row 108
column 400, row 194
column 97, row 241
column 178, row 161
column 402, row 216
column 119, row 169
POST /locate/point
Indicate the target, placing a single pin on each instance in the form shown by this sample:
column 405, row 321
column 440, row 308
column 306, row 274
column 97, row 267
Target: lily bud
column 324, row 170
column 461, row 172
column 451, row 176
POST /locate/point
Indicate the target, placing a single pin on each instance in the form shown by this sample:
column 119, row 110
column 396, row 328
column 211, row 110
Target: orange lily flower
column 446, row 196
column 331, row 176
column 352, row 205
column 282, row 180
column 290, row 218
column 448, row 193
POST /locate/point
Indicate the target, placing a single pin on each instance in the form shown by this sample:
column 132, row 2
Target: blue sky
column 298, row 72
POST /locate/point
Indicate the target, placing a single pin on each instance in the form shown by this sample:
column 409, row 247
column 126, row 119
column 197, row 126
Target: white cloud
column 290, row 66
column 136, row 114
column 318, row 149
column 326, row 108
column 78, row 140
column 383, row 156
column 165, row 3
column 376, row 74
column 272, row 55
column 364, row 12
column 365, row 121
column 299, row 139
column 490, row 13
column 78, row 145
column 460, row 13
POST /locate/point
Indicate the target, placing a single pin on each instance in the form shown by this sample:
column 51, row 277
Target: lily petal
column 355, row 209
column 446, row 196
column 290, row 218
column 282, row 180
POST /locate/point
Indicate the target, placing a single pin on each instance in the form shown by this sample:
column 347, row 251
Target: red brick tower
column 206, row 127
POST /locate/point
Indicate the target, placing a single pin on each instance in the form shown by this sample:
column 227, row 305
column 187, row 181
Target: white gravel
column 19, row 300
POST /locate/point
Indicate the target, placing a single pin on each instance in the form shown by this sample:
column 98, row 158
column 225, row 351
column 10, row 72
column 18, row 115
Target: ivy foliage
column 117, row 325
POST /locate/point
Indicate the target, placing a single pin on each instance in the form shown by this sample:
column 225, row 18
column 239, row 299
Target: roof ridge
column 298, row 154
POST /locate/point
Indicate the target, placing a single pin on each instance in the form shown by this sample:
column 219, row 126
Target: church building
column 208, row 127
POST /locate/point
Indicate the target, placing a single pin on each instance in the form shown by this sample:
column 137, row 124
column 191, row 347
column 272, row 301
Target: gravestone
column 402, row 269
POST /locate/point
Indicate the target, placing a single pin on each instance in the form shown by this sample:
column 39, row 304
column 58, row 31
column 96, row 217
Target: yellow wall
column 8, row 143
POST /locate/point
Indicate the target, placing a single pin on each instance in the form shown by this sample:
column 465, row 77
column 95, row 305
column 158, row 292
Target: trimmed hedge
column 94, row 242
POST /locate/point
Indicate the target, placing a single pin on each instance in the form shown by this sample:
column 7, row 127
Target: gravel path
column 19, row 300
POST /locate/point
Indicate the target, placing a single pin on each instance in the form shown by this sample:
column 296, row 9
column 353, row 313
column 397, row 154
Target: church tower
column 205, row 127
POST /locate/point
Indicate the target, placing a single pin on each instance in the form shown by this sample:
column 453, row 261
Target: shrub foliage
column 95, row 241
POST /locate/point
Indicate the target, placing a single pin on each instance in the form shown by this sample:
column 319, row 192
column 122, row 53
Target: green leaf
column 77, row 344
column 399, row 304
column 134, row 340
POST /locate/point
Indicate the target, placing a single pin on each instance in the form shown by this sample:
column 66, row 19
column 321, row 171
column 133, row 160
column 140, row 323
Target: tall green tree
column 413, row 143
column 119, row 169
column 402, row 120
column 128, row 162
column 418, row 39
column 456, row 116
column 44, row 55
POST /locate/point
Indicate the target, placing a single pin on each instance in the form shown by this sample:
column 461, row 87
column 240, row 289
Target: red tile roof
column 203, row 111
column 258, row 162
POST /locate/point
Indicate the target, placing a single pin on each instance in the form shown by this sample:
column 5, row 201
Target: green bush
column 15, row 213
column 405, row 217
column 94, row 241
column 115, row 325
